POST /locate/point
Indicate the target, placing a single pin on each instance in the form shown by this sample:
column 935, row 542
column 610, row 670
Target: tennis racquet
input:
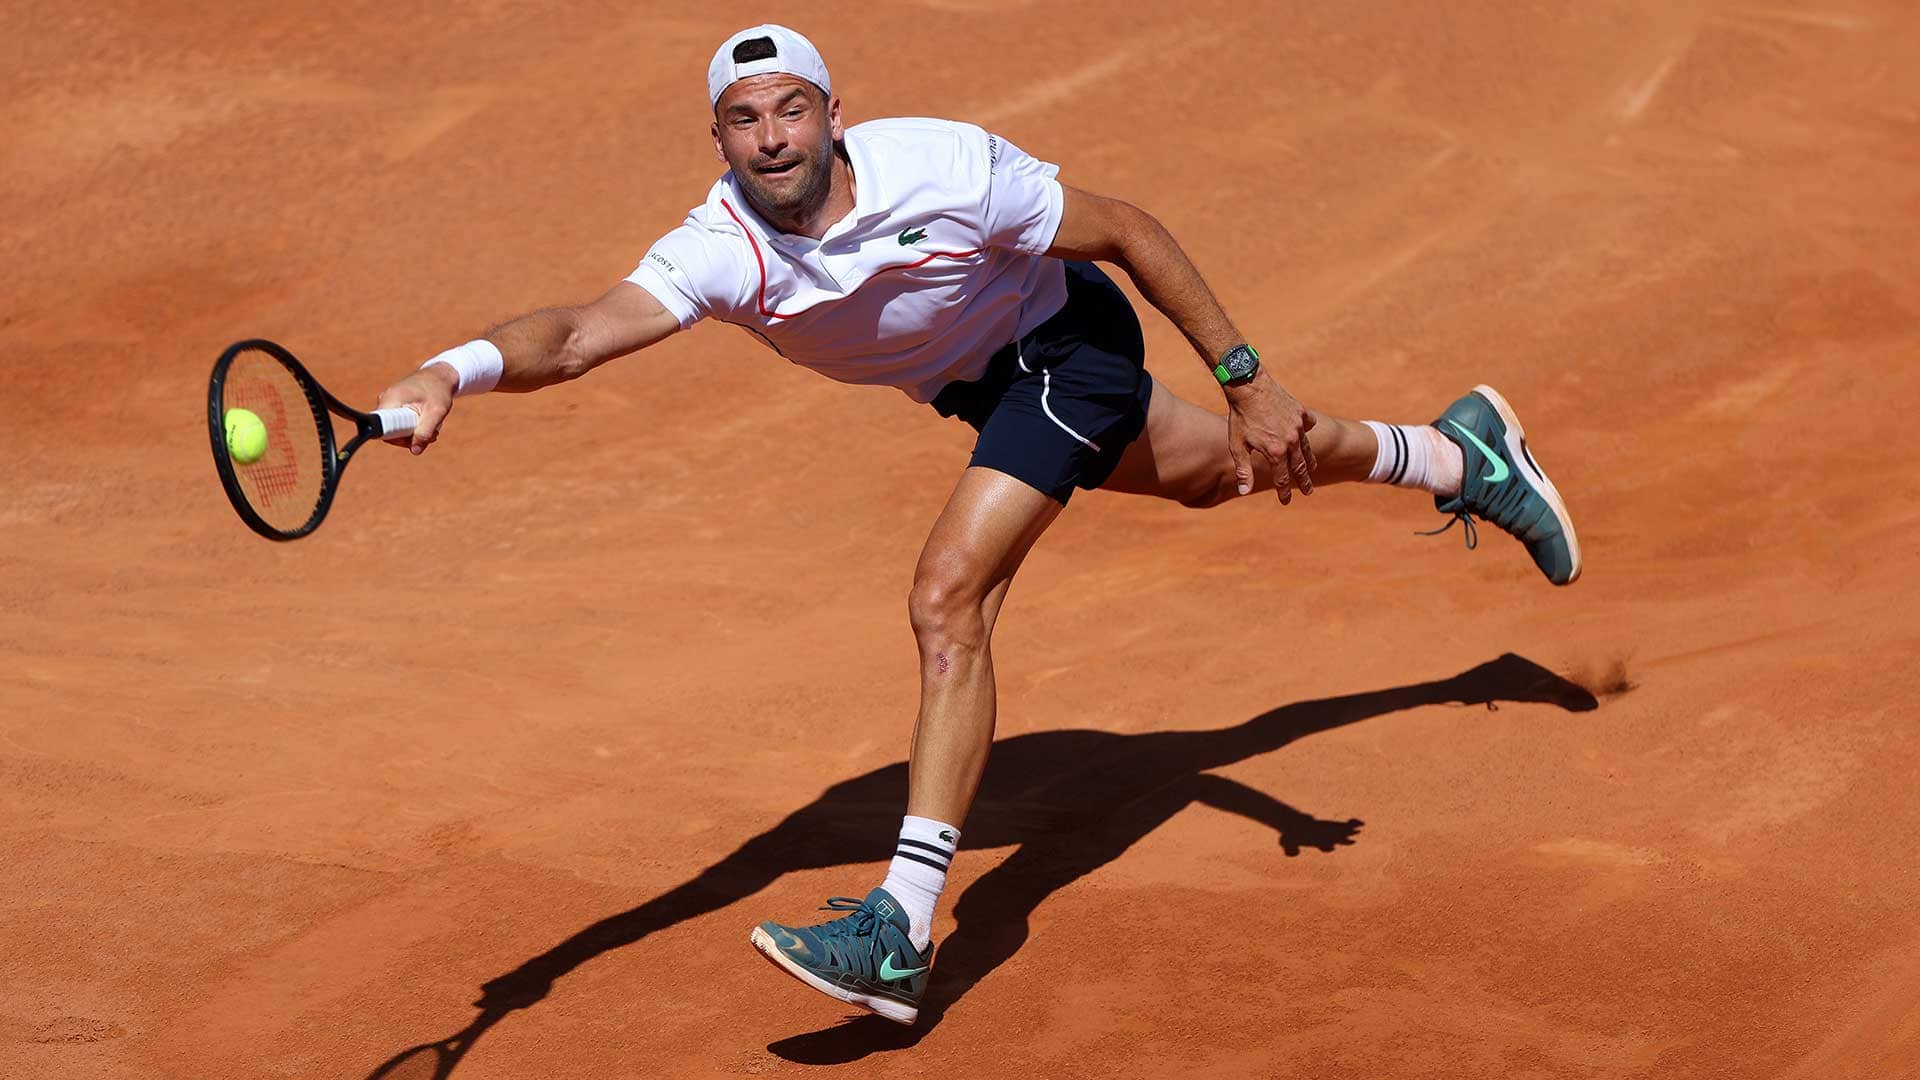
column 286, row 492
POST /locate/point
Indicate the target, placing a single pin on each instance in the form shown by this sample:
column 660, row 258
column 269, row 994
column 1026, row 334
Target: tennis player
column 939, row 258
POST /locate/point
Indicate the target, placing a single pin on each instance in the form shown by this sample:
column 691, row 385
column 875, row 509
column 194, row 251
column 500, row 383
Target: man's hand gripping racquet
column 283, row 490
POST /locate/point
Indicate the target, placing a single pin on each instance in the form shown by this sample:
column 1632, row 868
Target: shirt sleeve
column 1023, row 198
column 689, row 274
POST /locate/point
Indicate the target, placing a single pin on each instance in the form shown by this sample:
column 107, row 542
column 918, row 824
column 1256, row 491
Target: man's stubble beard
column 806, row 198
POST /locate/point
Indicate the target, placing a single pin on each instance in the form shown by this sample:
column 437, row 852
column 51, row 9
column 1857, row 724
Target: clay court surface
column 491, row 776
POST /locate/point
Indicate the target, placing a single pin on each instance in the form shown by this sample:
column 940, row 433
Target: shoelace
column 1473, row 531
column 859, row 921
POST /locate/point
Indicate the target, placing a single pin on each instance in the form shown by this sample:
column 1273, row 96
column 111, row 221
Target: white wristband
column 478, row 364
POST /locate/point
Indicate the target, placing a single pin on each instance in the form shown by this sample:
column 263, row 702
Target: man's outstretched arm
column 1262, row 417
column 539, row 349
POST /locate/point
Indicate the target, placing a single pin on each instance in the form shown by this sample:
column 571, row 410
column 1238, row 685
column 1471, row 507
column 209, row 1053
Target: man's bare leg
column 1182, row 454
column 990, row 523
column 1480, row 469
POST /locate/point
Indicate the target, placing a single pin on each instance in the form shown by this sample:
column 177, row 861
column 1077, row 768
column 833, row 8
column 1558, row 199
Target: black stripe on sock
column 903, row 853
column 1400, row 445
column 945, row 853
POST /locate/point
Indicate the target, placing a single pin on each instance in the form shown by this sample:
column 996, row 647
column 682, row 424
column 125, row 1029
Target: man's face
column 776, row 132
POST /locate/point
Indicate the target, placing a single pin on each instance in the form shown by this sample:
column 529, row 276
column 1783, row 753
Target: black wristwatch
column 1239, row 366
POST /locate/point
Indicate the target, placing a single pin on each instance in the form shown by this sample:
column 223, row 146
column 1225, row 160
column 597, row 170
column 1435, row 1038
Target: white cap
column 791, row 54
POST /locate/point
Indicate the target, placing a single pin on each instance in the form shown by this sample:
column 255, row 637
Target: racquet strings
column 286, row 484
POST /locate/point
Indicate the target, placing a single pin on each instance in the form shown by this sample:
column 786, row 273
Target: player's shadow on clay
column 1068, row 802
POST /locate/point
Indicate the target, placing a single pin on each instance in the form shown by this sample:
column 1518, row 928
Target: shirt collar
column 869, row 197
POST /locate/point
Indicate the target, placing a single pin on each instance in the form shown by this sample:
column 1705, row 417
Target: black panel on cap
column 752, row 49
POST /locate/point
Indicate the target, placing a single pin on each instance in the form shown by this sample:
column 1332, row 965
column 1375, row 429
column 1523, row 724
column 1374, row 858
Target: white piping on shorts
column 1046, row 387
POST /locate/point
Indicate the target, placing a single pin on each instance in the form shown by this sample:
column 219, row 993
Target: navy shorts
column 1057, row 408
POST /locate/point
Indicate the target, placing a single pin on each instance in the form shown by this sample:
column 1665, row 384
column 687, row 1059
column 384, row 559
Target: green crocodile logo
column 912, row 236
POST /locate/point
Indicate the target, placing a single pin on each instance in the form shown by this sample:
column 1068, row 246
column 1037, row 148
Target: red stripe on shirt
column 761, row 263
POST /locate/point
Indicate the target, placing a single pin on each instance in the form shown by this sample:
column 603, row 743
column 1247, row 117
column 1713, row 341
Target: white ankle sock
column 918, row 872
column 1416, row 456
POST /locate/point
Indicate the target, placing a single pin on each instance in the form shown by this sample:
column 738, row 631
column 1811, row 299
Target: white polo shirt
column 939, row 265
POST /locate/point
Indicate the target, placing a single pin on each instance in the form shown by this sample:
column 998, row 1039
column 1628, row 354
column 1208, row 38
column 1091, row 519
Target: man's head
column 775, row 119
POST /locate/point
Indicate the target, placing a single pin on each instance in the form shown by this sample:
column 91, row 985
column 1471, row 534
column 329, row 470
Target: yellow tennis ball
column 246, row 436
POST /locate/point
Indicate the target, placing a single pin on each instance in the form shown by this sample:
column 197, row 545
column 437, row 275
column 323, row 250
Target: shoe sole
column 879, row 1006
column 1517, row 451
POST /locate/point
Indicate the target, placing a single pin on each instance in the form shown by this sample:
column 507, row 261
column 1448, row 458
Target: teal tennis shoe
column 864, row 958
column 1504, row 485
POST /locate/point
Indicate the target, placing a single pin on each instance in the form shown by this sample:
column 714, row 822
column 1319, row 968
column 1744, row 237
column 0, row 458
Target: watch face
column 1241, row 362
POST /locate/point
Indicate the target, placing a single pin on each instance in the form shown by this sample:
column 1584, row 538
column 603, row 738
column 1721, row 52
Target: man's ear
column 833, row 120
column 719, row 154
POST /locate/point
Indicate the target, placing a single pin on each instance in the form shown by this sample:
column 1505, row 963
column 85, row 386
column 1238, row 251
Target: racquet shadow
column 1068, row 802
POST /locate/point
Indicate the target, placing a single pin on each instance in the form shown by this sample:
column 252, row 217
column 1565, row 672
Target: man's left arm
column 1262, row 417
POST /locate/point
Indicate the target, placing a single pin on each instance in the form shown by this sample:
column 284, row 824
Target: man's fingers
column 427, row 430
column 1300, row 466
column 1297, row 468
column 1242, row 465
column 1282, row 479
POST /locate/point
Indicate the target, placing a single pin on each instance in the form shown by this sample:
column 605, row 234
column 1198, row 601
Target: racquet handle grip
column 396, row 421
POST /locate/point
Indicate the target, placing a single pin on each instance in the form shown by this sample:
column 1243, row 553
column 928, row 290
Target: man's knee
column 946, row 603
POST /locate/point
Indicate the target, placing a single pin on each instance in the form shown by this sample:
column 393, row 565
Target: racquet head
column 284, row 493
